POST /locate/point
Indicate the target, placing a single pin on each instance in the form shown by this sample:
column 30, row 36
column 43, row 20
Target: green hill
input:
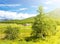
column 55, row 14
column 28, row 20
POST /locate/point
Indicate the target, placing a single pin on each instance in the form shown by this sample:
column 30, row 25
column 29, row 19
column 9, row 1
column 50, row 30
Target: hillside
column 28, row 20
column 55, row 13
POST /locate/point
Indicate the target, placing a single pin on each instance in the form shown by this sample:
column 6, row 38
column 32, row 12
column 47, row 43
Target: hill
column 54, row 14
column 28, row 20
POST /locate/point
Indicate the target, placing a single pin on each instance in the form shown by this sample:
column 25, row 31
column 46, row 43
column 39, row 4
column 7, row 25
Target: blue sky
column 25, row 8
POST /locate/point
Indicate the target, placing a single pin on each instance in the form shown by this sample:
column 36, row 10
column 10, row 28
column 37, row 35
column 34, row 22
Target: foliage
column 43, row 25
column 54, row 39
column 12, row 33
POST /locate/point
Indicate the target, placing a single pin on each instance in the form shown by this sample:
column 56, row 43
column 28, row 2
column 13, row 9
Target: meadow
column 41, row 29
column 25, row 31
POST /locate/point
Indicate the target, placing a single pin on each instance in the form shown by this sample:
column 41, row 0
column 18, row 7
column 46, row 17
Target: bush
column 11, row 33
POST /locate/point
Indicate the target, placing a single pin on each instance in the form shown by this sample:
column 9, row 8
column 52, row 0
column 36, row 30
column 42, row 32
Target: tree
column 43, row 25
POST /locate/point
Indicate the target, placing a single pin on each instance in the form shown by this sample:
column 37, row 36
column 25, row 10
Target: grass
column 25, row 31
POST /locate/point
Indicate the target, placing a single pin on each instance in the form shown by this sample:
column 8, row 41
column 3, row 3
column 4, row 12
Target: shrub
column 11, row 33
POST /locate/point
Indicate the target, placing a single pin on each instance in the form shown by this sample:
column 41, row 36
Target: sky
column 20, row 9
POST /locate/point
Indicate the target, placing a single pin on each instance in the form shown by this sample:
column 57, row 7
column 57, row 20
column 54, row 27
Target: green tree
column 43, row 25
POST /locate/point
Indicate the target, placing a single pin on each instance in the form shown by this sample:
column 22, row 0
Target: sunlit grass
column 25, row 31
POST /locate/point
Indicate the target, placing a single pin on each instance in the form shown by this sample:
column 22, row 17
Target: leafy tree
column 43, row 25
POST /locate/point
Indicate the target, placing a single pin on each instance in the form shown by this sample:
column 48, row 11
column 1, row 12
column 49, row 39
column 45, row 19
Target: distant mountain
column 27, row 20
column 55, row 13
column 2, row 18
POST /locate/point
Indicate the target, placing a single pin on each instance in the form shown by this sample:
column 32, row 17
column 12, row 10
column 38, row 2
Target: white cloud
column 48, row 2
column 34, row 6
column 55, row 0
column 45, row 8
column 10, row 5
column 14, row 15
column 23, row 9
column 52, row 1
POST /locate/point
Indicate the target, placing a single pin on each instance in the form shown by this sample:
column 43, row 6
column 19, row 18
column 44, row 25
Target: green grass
column 25, row 31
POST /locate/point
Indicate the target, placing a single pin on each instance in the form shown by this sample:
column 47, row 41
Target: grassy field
column 25, row 31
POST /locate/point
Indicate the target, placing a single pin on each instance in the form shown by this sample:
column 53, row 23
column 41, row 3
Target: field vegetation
column 41, row 29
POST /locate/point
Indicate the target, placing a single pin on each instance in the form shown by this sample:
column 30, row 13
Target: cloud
column 23, row 9
column 14, row 15
column 10, row 5
column 52, row 1
column 34, row 6
column 45, row 8
column 48, row 2
column 55, row 0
